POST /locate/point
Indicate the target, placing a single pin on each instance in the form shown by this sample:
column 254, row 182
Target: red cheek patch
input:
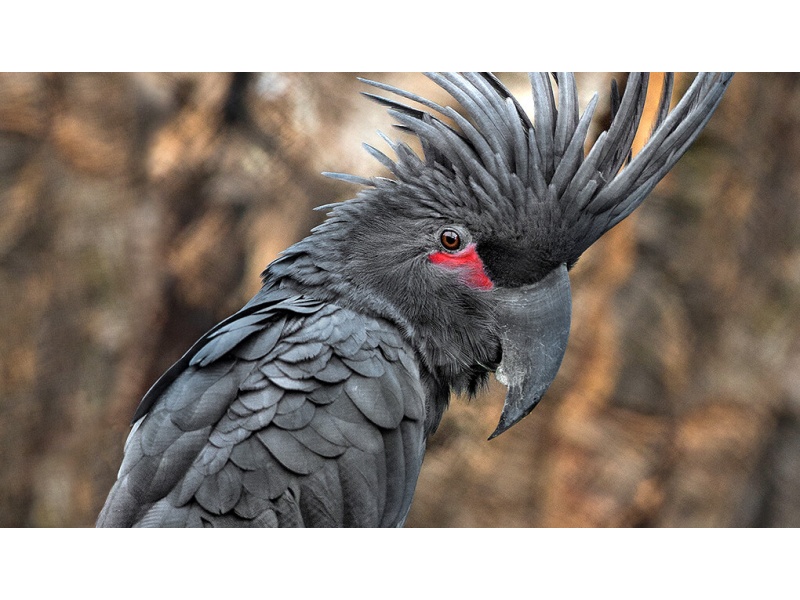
column 468, row 264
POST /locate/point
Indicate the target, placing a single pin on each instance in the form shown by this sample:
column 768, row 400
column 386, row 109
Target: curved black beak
column 534, row 322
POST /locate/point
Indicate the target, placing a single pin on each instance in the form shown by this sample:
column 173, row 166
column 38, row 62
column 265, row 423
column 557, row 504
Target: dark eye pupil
column 450, row 239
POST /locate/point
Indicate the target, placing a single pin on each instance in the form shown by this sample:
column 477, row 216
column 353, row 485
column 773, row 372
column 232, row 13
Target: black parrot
column 311, row 406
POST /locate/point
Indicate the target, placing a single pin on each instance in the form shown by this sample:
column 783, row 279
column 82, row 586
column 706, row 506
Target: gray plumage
column 311, row 406
column 532, row 166
column 277, row 418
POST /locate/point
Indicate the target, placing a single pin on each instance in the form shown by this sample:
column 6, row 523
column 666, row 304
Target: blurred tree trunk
column 138, row 210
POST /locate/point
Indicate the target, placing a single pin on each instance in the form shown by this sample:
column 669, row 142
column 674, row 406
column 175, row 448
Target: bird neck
column 455, row 342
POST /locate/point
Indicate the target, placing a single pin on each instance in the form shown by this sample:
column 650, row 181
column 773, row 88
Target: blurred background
column 137, row 210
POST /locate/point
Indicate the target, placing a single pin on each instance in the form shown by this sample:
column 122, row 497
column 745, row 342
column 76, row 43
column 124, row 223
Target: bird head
column 470, row 244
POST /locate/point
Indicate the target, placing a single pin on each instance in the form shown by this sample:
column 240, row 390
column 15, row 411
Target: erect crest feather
column 508, row 159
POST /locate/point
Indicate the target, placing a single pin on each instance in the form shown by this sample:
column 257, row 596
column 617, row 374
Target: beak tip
column 514, row 410
column 500, row 429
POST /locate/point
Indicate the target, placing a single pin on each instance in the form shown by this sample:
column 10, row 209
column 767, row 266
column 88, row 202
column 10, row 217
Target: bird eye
column 450, row 240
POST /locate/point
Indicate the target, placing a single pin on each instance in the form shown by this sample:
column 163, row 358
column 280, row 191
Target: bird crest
column 540, row 169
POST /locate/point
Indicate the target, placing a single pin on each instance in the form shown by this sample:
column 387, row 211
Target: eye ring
column 450, row 239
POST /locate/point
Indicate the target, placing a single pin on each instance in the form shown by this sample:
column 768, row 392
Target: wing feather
column 289, row 418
